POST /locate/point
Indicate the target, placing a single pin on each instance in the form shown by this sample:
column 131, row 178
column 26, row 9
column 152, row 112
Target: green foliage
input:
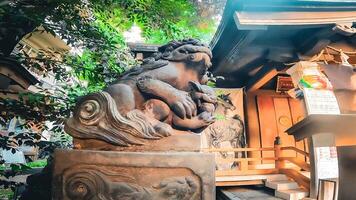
column 160, row 20
column 24, row 167
column 99, row 68
column 105, row 57
column 37, row 163
column 6, row 194
column 211, row 84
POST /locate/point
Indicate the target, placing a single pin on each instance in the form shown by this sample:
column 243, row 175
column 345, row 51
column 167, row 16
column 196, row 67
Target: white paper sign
column 327, row 165
column 320, row 102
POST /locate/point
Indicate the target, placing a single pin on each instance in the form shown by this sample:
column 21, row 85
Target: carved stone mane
column 162, row 57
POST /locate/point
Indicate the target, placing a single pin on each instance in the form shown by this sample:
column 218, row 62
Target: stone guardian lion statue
column 167, row 91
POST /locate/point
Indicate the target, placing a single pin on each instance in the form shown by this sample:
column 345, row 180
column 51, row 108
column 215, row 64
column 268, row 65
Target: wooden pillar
column 278, row 153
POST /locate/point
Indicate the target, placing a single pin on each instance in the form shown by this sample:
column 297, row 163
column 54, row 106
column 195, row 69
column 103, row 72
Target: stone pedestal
column 180, row 141
column 86, row 174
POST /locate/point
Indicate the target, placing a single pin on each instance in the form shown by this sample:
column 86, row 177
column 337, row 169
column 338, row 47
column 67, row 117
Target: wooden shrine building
column 256, row 42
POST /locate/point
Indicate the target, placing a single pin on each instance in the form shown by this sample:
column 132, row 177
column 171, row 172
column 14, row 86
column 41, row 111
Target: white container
column 301, row 68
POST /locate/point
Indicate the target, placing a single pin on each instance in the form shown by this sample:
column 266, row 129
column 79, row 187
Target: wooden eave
column 17, row 73
column 246, row 20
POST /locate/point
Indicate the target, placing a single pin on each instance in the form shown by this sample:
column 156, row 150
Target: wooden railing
column 297, row 150
column 246, row 167
column 293, row 173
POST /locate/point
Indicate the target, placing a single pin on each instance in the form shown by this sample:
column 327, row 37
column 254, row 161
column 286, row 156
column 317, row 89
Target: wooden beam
column 243, row 173
column 227, row 160
column 297, row 162
column 239, row 149
column 6, row 95
column 297, row 150
column 238, row 183
column 263, row 19
column 265, row 74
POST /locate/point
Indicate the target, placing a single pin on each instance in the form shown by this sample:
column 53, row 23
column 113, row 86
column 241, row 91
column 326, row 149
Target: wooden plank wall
column 267, row 123
column 268, row 115
column 298, row 113
column 284, row 121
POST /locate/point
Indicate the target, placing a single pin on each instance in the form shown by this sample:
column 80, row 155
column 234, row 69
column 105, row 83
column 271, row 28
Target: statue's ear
column 227, row 95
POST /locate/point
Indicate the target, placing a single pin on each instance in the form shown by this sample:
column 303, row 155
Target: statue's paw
column 209, row 98
column 207, row 118
column 202, row 92
column 207, row 107
column 183, row 105
column 163, row 129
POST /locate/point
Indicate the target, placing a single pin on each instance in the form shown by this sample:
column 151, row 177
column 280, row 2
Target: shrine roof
column 255, row 33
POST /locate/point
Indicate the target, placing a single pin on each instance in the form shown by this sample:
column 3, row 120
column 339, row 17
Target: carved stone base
column 85, row 174
column 180, row 141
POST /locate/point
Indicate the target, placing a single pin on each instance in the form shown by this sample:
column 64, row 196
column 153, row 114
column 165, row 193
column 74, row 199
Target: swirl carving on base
column 91, row 183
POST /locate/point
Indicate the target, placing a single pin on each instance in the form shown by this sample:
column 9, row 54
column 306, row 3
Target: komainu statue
column 135, row 139
column 167, row 92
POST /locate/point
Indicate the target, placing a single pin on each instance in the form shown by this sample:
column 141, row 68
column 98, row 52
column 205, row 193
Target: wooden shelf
column 343, row 125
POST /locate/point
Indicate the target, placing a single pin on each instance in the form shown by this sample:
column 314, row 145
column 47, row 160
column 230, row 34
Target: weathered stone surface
column 132, row 175
column 180, row 141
